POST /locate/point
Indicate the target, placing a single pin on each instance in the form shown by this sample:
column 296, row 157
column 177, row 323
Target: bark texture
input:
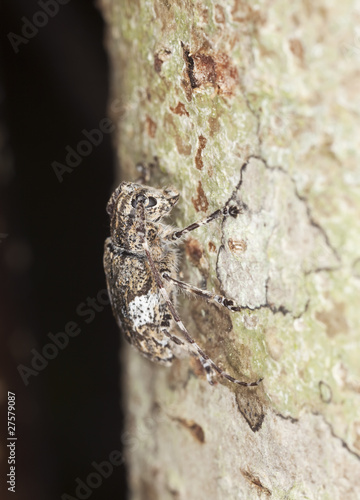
column 259, row 102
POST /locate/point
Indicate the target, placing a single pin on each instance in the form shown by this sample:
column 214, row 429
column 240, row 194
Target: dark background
column 51, row 260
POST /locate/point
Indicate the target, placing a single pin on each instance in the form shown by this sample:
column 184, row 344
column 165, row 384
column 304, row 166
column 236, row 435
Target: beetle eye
column 151, row 202
column 139, row 198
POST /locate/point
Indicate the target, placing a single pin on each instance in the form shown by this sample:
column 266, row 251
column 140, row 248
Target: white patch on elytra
column 142, row 309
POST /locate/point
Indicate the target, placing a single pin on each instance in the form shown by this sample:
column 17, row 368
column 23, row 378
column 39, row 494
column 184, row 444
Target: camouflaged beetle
column 141, row 263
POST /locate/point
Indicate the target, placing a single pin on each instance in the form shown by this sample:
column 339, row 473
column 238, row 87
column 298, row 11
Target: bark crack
column 334, row 435
column 320, row 234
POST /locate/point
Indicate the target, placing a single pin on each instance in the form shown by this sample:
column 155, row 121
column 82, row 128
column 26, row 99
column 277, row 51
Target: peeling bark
column 257, row 103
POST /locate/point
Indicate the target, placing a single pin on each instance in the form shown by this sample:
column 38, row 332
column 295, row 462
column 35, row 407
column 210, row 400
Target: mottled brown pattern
column 256, row 483
column 198, row 157
column 212, row 247
column 200, row 202
column 128, row 273
column 159, row 58
column 205, row 68
column 194, row 250
column 297, row 49
column 195, row 429
column 179, row 109
column 237, row 246
column 182, row 144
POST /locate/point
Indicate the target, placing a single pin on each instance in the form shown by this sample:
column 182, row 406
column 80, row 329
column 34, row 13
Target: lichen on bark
column 257, row 102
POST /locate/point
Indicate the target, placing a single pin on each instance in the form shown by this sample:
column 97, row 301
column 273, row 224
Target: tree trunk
column 258, row 103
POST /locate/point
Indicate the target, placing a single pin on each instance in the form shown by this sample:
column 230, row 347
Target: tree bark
column 258, row 103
